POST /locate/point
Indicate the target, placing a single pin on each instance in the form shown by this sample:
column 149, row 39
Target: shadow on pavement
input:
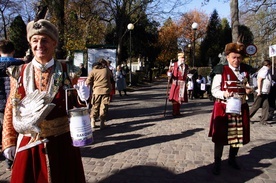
column 126, row 111
column 125, row 126
column 251, row 165
column 108, row 150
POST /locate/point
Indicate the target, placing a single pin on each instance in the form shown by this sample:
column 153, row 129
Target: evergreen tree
column 17, row 34
column 211, row 45
column 226, row 33
column 247, row 35
column 144, row 39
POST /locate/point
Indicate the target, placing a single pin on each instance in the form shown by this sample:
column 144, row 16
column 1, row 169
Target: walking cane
column 167, row 91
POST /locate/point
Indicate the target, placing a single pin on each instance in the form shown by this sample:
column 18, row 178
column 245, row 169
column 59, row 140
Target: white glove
column 169, row 74
column 83, row 91
column 31, row 111
column 9, row 153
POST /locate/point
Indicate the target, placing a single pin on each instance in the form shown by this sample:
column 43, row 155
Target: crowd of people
column 36, row 139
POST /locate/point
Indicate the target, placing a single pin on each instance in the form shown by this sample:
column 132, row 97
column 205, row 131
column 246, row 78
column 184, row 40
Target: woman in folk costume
column 36, row 119
column 230, row 126
column 178, row 92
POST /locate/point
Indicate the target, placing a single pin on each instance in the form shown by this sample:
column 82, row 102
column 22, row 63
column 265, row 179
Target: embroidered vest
column 231, row 82
column 178, row 74
column 58, row 83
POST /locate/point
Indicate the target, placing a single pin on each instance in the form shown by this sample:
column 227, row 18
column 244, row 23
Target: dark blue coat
column 5, row 62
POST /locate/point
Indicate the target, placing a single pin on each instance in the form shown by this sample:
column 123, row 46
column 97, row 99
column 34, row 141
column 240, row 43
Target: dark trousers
column 190, row 94
column 233, row 151
column 271, row 100
column 260, row 102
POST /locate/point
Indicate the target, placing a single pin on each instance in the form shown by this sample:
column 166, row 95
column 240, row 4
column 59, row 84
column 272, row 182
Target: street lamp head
column 130, row 26
column 194, row 26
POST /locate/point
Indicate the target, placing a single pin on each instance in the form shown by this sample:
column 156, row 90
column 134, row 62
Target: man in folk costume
column 178, row 93
column 35, row 117
column 230, row 126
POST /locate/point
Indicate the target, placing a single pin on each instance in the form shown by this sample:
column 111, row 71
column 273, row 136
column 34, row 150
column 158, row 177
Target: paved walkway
column 142, row 146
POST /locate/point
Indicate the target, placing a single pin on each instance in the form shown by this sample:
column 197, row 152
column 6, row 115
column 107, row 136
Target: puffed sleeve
column 216, row 87
column 9, row 135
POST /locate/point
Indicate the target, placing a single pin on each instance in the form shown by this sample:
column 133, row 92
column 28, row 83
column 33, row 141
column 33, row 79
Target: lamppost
column 130, row 27
column 190, row 53
column 194, row 27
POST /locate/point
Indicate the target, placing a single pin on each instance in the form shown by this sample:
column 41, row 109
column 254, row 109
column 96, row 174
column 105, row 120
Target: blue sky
column 222, row 8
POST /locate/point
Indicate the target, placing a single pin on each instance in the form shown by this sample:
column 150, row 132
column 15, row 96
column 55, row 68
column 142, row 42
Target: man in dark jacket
column 6, row 51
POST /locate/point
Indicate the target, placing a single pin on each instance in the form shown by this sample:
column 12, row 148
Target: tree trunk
column 4, row 25
column 61, row 53
column 234, row 8
column 56, row 8
column 120, row 30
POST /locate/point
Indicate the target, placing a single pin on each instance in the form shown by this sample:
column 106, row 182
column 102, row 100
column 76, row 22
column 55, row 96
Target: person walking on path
column 100, row 81
column 264, row 83
column 36, row 110
column 6, row 51
column 83, row 70
column 121, row 80
column 230, row 81
column 190, row 86
column 178, row 91
column 201, row 82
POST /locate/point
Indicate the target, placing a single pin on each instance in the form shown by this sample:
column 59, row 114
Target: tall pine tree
column 226, row 34
column 17, row 34
column 211, row 45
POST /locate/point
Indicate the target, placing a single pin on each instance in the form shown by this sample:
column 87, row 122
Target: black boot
column 232, row 158
column 233, row 163
column 217, row 167
column 125, row 93
column 217, row 154
column 120, row 93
